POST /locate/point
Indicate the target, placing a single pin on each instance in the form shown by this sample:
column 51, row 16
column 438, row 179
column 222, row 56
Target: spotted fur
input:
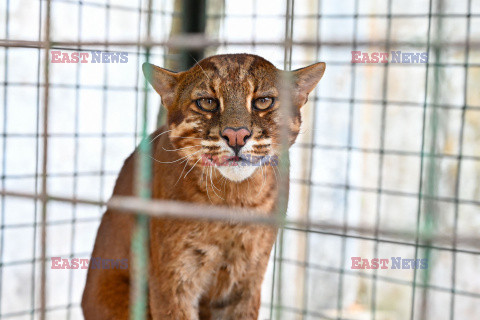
column 204, row 270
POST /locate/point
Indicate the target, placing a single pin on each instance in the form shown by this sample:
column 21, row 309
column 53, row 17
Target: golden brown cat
column 222, row 133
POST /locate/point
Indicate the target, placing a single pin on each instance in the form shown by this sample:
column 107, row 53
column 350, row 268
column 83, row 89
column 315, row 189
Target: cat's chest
column 243, row 252
column 242, row 247
column 262, row 200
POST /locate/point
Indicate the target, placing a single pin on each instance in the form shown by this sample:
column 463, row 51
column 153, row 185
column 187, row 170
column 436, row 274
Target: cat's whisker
column 208, row 194
column 213, row 185
column 211, row 172
column 275, row 173
column 264, row 176
column 192, row 168
column 158, row 135
column 167, row 162
column 303, row 131
column 196, row 146
column 224, row 185
column 174, row 161
column 186, row 163
column 279, row 172
column 206, row 75
column 186, row 137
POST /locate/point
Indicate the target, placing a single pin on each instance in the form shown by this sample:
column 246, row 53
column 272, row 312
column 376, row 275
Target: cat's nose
column 236, row 137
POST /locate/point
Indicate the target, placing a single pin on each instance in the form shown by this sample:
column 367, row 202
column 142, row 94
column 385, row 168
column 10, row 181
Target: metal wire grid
column 343, row 231
column 41, row 174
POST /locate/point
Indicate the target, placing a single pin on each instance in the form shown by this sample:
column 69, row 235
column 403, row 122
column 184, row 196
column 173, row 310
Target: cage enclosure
column 386, row 166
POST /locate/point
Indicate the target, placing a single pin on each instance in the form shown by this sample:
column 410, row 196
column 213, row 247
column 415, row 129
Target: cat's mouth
column 240, row 160
column 243, row 160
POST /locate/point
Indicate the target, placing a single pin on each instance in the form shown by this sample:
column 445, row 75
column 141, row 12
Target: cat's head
column 225, row 111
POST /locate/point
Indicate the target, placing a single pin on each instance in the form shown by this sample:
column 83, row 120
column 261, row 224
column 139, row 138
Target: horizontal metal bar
column 382, row 151
column 39, row 259
column 216, row 213
column 51, row 198
column 199, row 41
column 73, row 86
column 401, row 103
column 351, row 16
column 36, row 310
column 51, row 223
column 71, row 135
column 137, row 53
column 332, row 185
column 385, row 240
column 186, row 210
column 60, row 175
column 177, row 209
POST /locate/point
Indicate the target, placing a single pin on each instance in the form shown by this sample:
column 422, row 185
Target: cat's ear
column 306, row 79
column 163, row 81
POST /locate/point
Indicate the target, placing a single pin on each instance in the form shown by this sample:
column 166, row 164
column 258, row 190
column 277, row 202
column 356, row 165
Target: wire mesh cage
column 387, row 165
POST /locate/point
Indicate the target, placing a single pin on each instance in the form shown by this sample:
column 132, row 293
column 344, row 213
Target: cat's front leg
column 244, row 308
column 175, row 288
column 178, row 279
column 178, row 303
column 247, row 308
column 242, row 303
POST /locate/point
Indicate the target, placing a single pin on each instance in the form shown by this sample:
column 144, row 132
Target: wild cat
column 225, row 109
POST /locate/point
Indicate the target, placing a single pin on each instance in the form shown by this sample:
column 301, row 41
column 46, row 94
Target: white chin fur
column 237, row 173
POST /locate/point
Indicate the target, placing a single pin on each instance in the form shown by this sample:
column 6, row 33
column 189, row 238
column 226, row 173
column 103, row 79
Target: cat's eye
column 263, row 103
column 207, row 104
